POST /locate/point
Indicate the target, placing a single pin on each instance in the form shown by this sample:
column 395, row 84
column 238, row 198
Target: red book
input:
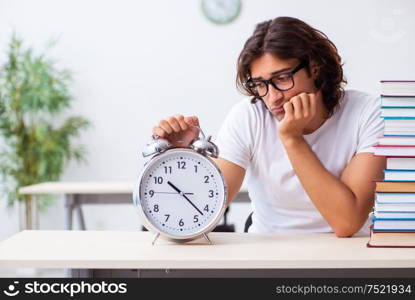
column 391, row 239
column 394, row 150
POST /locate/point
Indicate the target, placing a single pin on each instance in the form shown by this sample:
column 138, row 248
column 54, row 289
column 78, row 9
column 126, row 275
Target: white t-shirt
column 249, row 138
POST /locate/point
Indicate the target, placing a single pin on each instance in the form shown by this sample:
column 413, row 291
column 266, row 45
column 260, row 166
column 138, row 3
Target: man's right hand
column 178, row 128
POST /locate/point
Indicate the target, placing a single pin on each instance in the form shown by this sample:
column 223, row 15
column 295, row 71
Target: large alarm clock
column 181, row 193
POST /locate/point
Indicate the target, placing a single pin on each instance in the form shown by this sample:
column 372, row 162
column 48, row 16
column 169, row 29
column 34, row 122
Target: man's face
column 266, row 65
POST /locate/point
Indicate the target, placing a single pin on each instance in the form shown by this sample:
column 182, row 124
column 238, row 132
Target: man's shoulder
column 355, row 101
column 246, row 103
column 245, row 107
column 359, row 99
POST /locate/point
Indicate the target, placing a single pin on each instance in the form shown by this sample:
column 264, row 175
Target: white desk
column 130, row 254
column 78, row 193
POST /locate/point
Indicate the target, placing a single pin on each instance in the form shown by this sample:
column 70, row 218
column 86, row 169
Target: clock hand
column 172, row 193
column 182, row 194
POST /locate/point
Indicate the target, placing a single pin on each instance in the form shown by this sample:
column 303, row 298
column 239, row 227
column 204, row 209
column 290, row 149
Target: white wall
column 135, row 62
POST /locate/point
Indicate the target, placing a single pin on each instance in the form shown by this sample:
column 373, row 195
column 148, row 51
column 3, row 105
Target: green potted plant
column 35, row 143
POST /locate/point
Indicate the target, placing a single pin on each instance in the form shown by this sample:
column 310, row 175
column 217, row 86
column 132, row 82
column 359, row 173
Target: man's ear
column 314, row 69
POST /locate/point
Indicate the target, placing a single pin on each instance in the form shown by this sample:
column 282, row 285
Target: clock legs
column 204, row 235
column 207, row 238
column 155, row 238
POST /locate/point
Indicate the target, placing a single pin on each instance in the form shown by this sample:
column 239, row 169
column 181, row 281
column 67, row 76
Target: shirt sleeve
column 236, row 135
column 371, row 126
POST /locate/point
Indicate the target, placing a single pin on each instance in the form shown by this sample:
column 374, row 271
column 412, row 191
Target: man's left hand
column 299, row 111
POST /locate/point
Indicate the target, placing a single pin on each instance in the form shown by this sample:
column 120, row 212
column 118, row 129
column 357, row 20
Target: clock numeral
column 206, row 179
column 206, row 208
column 156, row 208
column 181, row 223
column 181, row 164
column 151, row 192
column 195, row 169
column 210, row 193
column 167, row 217
column 167, row 170
column 158, row 180
column 195, row 219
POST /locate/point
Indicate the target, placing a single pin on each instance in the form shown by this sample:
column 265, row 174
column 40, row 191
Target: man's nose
column 274, row 94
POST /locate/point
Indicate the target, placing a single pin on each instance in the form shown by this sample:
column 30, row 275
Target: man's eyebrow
column 282, row 71
column 274, row 73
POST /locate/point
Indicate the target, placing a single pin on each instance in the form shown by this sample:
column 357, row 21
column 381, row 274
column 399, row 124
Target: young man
column 302, row 141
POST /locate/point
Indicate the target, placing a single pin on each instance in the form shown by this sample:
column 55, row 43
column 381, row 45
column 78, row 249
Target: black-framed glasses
column 282, row 82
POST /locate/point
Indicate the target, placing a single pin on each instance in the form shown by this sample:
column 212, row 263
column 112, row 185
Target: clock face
column 221, row 11
column 181, row 194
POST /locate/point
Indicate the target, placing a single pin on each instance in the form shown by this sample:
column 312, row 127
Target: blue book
column 394, row 224
column 406, row 215
column 394, row 198
column 398, row 117
column 397, row 102
column 399, row 175
column 394, row 207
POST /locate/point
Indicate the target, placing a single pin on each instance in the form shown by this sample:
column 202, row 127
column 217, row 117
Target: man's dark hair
column 285, row 38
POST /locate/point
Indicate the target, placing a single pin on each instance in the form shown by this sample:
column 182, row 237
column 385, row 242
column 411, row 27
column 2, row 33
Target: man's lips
column 277, row 109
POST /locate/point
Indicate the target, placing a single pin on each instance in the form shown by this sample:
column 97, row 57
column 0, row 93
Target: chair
column 248, row 222
column 225, row 227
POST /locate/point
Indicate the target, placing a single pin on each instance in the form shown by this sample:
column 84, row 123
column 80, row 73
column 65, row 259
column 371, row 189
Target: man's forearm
column 334, row 199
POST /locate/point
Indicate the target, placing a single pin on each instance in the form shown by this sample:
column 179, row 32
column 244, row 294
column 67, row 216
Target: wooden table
column 131, row 254
column 78, row 193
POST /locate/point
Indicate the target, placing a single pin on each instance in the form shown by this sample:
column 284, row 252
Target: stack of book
column 394, row 210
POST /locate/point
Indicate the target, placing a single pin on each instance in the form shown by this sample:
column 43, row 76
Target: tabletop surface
column 134, row 249
column 83, row 187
